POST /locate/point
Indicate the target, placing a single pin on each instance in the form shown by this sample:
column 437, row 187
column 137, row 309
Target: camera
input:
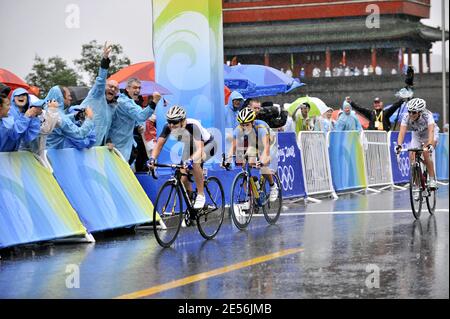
column 80, row 115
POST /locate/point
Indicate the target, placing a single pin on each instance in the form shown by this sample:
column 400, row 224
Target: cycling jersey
column 193, row 131
column 251, row 142
column 419, row 128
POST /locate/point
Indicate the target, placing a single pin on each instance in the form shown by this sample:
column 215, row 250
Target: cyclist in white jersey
column 421, row 124
column 199, row 146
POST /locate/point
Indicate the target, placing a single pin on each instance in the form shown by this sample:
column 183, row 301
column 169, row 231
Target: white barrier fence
column 376, row 158
column 315, row 163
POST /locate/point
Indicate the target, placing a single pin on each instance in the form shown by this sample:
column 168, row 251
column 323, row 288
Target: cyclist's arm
column 232, row 149
column 265, row 158
column 159, row 145
column 401, row 135
column 197, row 155
column 430, row 134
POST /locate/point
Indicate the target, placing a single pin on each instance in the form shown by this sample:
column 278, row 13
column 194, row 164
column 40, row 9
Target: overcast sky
column 50, row 27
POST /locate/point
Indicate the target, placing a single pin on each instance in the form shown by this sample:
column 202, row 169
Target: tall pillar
column 328, row 58
column 373, row 60
column 409, row 56
column 266, row 59
column 428, row 57
column 188, row 40
column 420, row 62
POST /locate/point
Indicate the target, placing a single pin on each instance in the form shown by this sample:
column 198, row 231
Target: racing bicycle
column 250, row 194
column 418, row 185
column 169, row 214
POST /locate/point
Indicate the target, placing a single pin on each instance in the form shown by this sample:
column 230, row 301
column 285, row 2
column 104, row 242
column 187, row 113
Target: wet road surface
column 360, row 246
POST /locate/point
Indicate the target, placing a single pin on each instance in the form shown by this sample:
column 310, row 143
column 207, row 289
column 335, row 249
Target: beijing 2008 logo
column 403, row 166
column 286, row 175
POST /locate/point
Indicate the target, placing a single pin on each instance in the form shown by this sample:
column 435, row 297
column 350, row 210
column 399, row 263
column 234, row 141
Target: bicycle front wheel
column 168, row 208
column 415, row 190
column 242, row 203
column 272, row 203
column 431, row 201
column 210, row 219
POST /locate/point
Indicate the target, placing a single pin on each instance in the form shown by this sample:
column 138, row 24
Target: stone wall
column 364, row 89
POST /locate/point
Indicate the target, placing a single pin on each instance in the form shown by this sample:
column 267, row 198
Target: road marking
column 350, row 212
column 205, row 275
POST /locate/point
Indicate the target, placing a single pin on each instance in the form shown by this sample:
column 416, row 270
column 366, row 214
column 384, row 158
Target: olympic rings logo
column 403, row 166
column 287, row 177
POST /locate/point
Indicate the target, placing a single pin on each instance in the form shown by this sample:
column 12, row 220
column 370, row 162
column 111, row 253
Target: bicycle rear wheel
column 272, row 208
column 241, row 205
column 168, row 205
column 210, row 219
column 415, row 190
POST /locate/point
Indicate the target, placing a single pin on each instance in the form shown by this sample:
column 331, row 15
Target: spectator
column 365, row 70
column 235, row 103
column 394, row 71
column 328, row 73
column 357, row 71
column 301, row 119
column 49, row 119
column 348, row 121
column 66, row 128
column 325, row 123
column 371, row 69
column 302, row 73
column 127, row 114
column 102, row 98
column 15, row 127
column 347, row 71
column 289, row 72
column 316, row 72
column 378, row 70
column 12, row 129
column 379, row 119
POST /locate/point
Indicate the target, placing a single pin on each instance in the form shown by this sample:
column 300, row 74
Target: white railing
column 315, row 163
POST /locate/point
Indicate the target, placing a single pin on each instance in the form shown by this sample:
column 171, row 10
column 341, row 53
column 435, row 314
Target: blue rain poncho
column 348, row 122
column 66, row 128
column 16, row 127
column 103, row 111
column 128, row 114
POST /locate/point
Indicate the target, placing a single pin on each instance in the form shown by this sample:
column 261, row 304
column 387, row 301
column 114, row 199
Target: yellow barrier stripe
column 215, row 272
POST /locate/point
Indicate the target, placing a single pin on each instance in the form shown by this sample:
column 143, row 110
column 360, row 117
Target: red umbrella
column 144, row 71
column 12, row 80
column 227, row 92
column 364, row 122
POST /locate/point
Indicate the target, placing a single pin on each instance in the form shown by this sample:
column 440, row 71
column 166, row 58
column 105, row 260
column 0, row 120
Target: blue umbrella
column 234, row 80
column 148, row 87
column 267, row 80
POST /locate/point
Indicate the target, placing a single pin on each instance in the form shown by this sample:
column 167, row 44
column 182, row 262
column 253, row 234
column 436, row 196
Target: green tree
column 91, row 55
column 47, row 73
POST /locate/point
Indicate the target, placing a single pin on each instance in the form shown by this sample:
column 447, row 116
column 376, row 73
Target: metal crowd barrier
column 315, row 163
column 377, row 158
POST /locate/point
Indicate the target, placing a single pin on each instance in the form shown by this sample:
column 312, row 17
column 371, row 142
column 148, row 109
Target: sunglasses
column 413, row 112
column 173, row 122
column 245, row 124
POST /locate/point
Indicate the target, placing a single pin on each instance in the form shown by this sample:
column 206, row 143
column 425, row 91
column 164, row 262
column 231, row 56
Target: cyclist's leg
column 429, row 164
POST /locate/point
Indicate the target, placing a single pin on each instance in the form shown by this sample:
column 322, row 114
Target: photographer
column 79, row 117
column 268, row 112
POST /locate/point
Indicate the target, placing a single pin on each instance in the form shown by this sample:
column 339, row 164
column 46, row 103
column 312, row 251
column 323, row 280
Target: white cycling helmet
column 416, row 105
column 176, row 113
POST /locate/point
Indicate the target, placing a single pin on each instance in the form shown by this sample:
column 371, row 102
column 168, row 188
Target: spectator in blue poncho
column 348, row 121
column 17, row 122
column 128, row 115
column 102, row 98
column 67, row 128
